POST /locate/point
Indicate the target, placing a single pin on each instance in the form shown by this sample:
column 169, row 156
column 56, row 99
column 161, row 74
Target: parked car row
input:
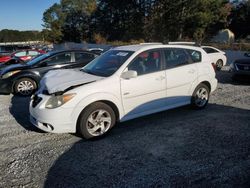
column 24, row 55
column 24, row 78
column 73, row 95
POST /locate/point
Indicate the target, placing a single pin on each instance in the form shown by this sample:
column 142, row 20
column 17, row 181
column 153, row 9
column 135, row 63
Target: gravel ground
column 176, row 148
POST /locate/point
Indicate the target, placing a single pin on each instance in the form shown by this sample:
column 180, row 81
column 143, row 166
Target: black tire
column 195, row 99
column 31, row 87
column 219, row 65
column 84, row 125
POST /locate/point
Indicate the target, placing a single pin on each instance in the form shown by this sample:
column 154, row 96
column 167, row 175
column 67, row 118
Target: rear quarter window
column 195, row 55
column 210, row 50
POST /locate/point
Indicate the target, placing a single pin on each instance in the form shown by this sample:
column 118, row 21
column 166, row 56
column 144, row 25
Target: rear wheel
column 200, row 96
column 96, row 120
column 219, row 64
column 25, row 87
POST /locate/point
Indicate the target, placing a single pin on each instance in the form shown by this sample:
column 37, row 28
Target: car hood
column 60, row 80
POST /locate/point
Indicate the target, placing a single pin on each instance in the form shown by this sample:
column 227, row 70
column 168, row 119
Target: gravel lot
column 176, row 148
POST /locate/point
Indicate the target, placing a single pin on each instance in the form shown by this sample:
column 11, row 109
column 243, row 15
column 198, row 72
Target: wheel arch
column 207, row 84
column 109, row 103
column 113, row 106
column 106, row 98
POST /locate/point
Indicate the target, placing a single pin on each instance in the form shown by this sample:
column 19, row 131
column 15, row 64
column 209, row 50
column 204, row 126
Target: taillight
column 214, row 66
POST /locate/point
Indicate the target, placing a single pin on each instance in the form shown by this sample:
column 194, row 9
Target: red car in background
column 24, row 55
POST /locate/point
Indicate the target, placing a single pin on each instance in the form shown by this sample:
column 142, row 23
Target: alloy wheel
column 98, row 122
column 201, row 97
column 25, row 87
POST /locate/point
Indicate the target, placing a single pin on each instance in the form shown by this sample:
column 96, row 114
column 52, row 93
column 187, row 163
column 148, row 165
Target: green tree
column 69, row 20
column 172, row 20
column 54, row 19
column 240, row 19
column 7, row 35
column 120, row 20
column 125, row 20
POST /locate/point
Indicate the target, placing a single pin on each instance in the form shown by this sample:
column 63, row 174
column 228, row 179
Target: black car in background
column 240, row 68
column 24, row 78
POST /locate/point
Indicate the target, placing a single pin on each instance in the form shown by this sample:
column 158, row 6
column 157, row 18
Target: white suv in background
column 123, row 83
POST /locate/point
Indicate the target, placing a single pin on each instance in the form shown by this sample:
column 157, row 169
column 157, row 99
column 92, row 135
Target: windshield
column 39, row 58
column 108, row 63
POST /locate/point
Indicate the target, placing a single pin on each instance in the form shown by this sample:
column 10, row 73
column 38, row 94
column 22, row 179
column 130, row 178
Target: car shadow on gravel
column 19, row 109
column 175, row 148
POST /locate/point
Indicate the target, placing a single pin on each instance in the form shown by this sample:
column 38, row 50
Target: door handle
column 160, row 78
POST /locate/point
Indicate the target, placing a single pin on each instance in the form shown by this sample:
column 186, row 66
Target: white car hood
column 60, row 80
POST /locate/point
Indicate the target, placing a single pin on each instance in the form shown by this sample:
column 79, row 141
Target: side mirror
column 43, row 64
column 129, row 74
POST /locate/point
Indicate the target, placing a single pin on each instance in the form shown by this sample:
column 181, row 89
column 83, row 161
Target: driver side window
column 146, row 62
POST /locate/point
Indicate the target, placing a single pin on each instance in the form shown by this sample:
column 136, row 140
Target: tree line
column 144, row 20
column 149, row 20
column 7, row 35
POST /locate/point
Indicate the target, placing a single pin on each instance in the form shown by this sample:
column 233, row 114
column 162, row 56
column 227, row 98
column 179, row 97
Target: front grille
column 36, row 100
column 243, row 67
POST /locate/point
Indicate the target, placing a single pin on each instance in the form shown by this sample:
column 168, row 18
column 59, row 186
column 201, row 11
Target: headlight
column 9, row 74
column 56, row 101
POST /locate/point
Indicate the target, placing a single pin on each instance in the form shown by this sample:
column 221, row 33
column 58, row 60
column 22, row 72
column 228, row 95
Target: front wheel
column 200, row 96
column 25, row 87
column 96, row 120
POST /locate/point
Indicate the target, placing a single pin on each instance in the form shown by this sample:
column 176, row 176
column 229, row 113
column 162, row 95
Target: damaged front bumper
column 58, row 120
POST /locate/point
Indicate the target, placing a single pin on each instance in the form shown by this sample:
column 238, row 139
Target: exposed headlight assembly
column 9, row 74
column 58, row 100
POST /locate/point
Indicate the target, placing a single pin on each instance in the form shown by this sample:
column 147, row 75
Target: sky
column 23, row 14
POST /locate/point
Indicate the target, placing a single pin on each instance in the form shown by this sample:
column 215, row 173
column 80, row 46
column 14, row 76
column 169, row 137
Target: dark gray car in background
column 24, row 78
column 240, row 68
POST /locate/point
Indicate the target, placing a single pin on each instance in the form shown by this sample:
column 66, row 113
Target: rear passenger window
column 84, row 57
column 210, row 50
column 146, row 62
column 176, row 57
column 195, row 55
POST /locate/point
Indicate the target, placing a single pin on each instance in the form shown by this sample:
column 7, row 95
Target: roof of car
column 148, row 46
column 70, row 50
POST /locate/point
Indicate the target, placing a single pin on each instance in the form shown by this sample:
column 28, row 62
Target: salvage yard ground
column 180, row 147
